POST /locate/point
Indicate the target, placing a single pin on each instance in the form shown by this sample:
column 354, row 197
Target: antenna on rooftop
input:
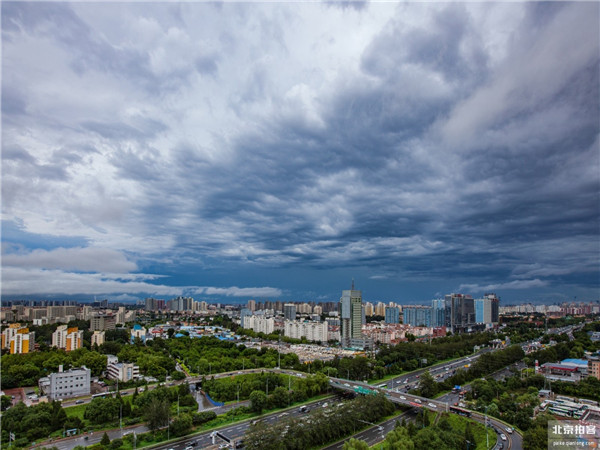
column 352, row 283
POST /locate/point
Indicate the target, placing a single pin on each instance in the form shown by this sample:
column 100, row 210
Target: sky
column 229, row 151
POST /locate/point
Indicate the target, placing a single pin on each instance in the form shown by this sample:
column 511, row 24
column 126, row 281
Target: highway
column 396, row 390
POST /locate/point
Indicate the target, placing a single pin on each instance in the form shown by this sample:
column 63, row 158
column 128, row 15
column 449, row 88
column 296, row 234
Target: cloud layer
column 416, row 147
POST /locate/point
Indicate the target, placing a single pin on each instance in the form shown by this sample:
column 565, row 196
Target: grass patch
column 76, row 411
column 460, row 423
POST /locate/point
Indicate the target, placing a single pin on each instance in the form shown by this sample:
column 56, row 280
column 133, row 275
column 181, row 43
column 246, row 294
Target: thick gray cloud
column 453, row 145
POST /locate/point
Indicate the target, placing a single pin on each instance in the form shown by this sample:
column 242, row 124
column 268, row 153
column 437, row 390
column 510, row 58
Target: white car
column 402, row 397
column 432, row 405
column 417, row 400
column 509, row 430
column 503, row 436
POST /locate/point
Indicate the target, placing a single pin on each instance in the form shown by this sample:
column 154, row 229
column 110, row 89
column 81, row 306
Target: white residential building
column 260, row 324
column 98, row 337
column 312, row 331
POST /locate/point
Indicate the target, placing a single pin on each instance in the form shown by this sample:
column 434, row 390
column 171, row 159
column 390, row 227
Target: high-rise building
column 98, row 337
column 417, row 316
column 180, row 304
column 460, row 312
column 392, row 315
column 351, row 312
column 312, row 331
column 318, row 309
column 380, row 309
column 100, row 322
column 67, row 338
column 245, row 312
column 260, row 324
column 486, row 309
column 252, row 305
column 369, row 309
column 304, row 308
column 9, row 333
column 289, row 311
column 120, row 317
column 22, row 342
column 151, row 304
column 438, row 312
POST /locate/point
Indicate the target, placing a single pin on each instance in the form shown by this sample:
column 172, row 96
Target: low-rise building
column 122, row 371
column 66, row 384
column 138, row 331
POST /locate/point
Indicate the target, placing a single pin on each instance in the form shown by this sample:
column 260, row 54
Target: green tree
column 355, row 444
column 105, row 439
column 156, row 413
column 181, row 425
column 279, row 397
column 428, row 386
column 5, row 402
column 102, row 410
column 258, row 401
column 116, row 443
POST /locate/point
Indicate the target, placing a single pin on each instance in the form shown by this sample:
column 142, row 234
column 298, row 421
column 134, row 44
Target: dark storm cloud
column 443, row 147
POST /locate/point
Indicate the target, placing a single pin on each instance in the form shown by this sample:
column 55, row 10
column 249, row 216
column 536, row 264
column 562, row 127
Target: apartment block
column 67, row 338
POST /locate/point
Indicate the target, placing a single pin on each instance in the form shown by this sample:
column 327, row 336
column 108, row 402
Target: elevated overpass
column 396, row 397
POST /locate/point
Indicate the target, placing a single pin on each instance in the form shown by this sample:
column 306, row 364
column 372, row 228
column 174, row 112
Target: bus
column 102, row 395
column 588, row 402
column 460, row 411
column 561, row 411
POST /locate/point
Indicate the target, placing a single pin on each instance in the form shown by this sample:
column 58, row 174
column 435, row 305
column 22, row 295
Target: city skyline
column 277, row 151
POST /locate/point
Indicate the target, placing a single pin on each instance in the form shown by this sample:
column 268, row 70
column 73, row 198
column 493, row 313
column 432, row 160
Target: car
column 190, row 444
column 325, row 405
column 189, row 448
column 346, row 384
column 417, row 400
column 79, row 402
column 503, row 436
column 455, row 403
column 402, row 397
column 224, row 446
column 283, row 414
column 432, row 405
column 417, row 376
column 405, row 381
column 509, row 430
column 380, row 428
column 303, row 408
